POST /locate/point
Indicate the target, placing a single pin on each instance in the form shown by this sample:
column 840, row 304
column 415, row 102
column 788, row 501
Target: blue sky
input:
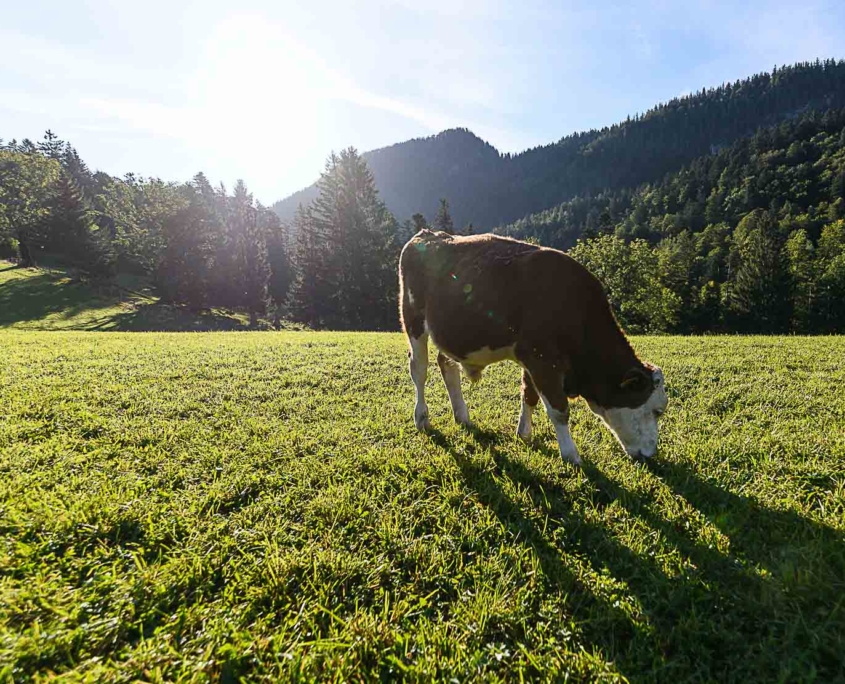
column 264, row 90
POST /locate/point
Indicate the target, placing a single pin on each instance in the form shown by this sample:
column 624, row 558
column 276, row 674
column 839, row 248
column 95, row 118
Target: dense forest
column 489, row 189
column 721, row 211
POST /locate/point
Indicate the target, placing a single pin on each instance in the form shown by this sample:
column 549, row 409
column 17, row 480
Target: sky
column 264, row 90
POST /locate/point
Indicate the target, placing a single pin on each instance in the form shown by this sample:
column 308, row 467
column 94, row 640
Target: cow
column 483, row 299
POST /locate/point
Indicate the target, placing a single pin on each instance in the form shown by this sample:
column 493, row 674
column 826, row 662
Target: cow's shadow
column 723, row 609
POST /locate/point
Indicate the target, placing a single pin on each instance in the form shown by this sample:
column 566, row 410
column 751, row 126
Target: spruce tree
column 279, row 258
column 184, row 272
column 310, row 289
column 251, row 244
column 345, row 254
column 759, row 293
column 70, row 231
column 443, row 220
column 800, row 255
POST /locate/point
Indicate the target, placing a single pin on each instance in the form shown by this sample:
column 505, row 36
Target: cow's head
column 644, row 391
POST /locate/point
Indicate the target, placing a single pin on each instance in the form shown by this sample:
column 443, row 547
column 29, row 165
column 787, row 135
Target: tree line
column 333, row 266
column 201, row 246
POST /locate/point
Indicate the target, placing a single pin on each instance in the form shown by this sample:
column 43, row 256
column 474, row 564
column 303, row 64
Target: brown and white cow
column 486, row 298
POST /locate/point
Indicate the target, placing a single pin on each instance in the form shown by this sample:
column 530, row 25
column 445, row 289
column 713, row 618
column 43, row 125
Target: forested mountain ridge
column 793, row 169
column 490, row 189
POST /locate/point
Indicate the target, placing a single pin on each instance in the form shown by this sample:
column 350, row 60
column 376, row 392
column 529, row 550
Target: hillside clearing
column 176, row 506
column 52, row 299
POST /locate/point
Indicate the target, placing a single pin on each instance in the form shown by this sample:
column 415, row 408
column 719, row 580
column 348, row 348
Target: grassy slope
column 260, row 504
column 49, row 299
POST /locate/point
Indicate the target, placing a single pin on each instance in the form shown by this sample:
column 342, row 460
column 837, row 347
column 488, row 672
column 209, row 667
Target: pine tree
column 310, row 289
column 52, row 147
column 345, row 254
column 251, row 243
column 800, row 255
column 759, row 293
column 71, row 234
column 443, row 220
column 279, row 250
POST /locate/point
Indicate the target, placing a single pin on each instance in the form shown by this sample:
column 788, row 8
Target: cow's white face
column 636, row 428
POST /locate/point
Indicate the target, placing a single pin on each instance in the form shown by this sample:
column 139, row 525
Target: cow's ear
column 636, row 380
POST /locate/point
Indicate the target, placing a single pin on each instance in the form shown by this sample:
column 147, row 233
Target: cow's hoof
column 421, row 417
column 463, row 419
column 572, row 458
column 524, row 436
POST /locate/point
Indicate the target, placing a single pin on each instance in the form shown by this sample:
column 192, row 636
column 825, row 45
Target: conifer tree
column 345, row 256
column 443, row 220
column 758, row 296
column 70, row 230
column 310, row 289
column 800, row 255
column 279, row 258
column 251, row 244
column 184, row 273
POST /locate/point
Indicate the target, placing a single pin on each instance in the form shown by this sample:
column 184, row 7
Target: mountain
column 412, row 176
column 794, row 170
column 489, row 189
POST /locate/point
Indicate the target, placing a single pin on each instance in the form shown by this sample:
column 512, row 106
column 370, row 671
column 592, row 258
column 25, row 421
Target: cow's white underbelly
column 485, row 356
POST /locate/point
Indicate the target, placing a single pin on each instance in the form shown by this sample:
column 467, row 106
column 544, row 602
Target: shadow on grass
column 739, row 616
column 98, row 307
column 39, row 296
column 160, row 317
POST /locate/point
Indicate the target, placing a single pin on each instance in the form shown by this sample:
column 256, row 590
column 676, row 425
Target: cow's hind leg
column 530, row 398
column 452, row 379
column 418, row 364
column 549, row 384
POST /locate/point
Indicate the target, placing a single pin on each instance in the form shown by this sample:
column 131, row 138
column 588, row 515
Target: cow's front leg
column 530, row 398
column 418, row 364
column 549, row 384
column 452, row 379
column 559, row 415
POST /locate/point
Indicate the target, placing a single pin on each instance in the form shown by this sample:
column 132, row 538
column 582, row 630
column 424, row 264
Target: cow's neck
column 602, row 366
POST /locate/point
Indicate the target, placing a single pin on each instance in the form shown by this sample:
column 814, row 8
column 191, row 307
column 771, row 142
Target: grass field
column 258, row 504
